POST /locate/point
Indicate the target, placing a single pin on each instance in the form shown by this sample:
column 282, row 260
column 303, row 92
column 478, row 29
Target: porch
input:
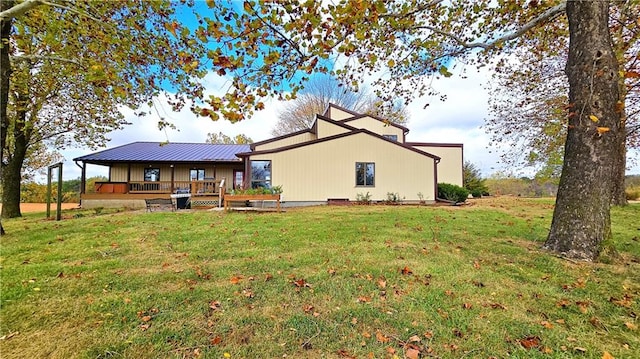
column 195, row 193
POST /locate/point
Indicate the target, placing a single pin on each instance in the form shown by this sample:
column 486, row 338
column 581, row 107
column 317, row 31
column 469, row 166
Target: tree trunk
column 5, row 73
column 12, row 172
column 581, row 218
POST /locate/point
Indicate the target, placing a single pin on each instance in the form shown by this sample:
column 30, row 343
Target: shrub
column 363, row 198
column 452, row 192
column 393, row 198
column 473, row 180
column 633, row 193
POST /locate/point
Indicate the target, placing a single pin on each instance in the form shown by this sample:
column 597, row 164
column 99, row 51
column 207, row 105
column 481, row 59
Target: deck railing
column 196, row 188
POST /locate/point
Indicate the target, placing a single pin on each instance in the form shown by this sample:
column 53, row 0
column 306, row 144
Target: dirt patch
column 42, row 207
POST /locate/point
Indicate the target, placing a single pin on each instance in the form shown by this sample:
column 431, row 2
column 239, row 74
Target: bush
column 452, row 192
column 393, row 198
column 477, row 193
column 633, row 193
column 363, row 198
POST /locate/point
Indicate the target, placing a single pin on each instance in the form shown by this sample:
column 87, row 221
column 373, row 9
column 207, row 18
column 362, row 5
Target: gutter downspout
column 435, row 179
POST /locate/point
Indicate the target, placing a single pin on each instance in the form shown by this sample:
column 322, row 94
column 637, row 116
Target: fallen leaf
column 382, row 283
column 602, row 130
column 546, row 324
column 366, row 334
column 414, row 339
column 406, row 271
column 381, row 337
column 390, row 350
column 144, row 327
column 364, row 299
column 626, row 301
column 476, row 265
column 631, row 325
column 412, row 353
column 580, row 349
column 146, row 318
column 345, row 354
column 214, row 305
column 606, row 355
column 467, row 306
column 594, row 118
column 216, row 340
column 530, row 342
column 236, row 279
column 268, row 277
column 583, row 306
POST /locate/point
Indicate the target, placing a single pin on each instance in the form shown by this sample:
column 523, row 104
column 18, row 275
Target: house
column 342, row 156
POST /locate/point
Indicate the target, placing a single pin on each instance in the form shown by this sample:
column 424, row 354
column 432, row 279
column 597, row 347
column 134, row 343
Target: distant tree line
column 34, row 192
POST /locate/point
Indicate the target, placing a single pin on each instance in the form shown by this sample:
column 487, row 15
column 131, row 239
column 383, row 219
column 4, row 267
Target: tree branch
column 549, row 14
column 23, row 7
column 20, row 9
column 42, row 57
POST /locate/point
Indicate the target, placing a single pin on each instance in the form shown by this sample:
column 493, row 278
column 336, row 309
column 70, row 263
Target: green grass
column 371, row 281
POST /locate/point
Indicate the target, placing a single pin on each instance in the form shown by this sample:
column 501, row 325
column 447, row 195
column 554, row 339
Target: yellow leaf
column 391, row 63
column 602, row 130
column 594, row 118
column 606, row 355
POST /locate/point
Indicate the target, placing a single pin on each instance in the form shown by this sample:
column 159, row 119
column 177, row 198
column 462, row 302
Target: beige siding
column 118, row 172
column 337, row 114
column 327, row 170
column 376, row 126
column 450, row 166
column 287, row 141
column 326, row 129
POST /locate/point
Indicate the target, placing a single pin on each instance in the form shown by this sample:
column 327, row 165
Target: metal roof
column 167, row 152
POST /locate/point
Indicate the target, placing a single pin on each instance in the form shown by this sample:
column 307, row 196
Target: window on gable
column 391, row 137
column 260, row 174
column 365, row 174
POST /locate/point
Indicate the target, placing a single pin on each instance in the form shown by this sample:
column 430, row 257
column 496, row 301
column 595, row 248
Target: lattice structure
column 204, row 203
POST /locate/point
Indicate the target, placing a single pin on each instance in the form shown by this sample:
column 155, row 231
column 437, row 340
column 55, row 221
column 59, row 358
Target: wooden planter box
column 251, row 197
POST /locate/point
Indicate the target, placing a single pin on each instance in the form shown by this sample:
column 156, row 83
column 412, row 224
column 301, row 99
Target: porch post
column 128, row 177
column 173, row 187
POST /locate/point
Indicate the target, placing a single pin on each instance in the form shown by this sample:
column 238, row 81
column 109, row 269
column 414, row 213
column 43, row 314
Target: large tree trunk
column 5, row 73
column 12, row 173
column 581, row 219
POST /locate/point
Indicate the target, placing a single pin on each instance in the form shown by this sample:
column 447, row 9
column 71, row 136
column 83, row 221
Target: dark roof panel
column 167, row 152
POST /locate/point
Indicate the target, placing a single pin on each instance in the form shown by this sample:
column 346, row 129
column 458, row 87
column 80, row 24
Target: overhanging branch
column 41, row 57
column 549, row 14
column 21, row 8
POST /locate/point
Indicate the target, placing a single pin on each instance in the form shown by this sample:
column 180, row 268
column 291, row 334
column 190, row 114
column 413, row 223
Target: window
column 151, row 174
column 260, row 174
column 238, row 179
column 196, row 174
column 391, row 137
column 365, row 174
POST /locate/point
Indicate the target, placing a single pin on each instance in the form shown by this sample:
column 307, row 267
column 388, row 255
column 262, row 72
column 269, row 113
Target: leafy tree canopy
column 322, row 90
column 221, row 138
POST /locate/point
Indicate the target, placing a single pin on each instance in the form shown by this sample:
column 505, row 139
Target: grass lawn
column 332, row 282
